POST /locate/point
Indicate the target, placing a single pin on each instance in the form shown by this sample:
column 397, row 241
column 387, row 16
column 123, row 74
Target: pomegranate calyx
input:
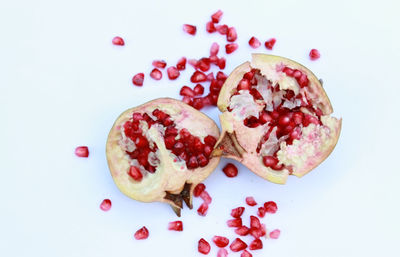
column 175, row 200
column 228, row 145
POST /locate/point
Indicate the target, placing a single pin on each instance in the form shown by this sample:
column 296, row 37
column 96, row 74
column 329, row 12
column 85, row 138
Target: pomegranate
column 158, row 152
column 276, row 118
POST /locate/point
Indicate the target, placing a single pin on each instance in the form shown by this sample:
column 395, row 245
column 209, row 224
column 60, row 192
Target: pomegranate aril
column 256, row 244
column 274, row 234
column 175, row 225
column 135, row 173
column 192, row 163
column 203, row 246
column 237, row 212
column 257, row 232
column 234, row 223
column 181, row 64
column 221, row 63
column 202, row 210
column 210, row 140
column 206, row 197
column 254, row 222
column 238, row 245
column 198, row 89
column 231, row 36
column 142, row 233
column 222, row 253
column 82, row 151
column 244, row 84
column 156, row 74
column 261, row 212
column 169, row 142
column 222, row 29
column 187, row 100
column 178, row 148
column 171, row 131
column 118, row 41
column 202, row 160
column 265, row 117
column 173, row 73
column 210, row 27
column 214, row 49
column 105, row 205
column 159, row 64
column 230, row 48
column 193, row 62
column 270, row 161
column 254, row 42
column 183, row 156
column 203, row 64
column 303, row 81
column 230, row 170
column 220, row 241
column 207, row 150
column 215, row 86
column 198, row 76
column 314, row 54
column 221, row 76
column 199, row 189
column 250, row 201
column 245, row 253
column 138, row 79
column 270, row 43
column 270, row 207
column 216, row 17
column 242, row 231
column 198, row 103
column 210, row 76
column 186, row 91
column 190, row 29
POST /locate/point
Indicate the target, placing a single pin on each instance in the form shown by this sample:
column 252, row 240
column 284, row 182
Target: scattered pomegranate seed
column 220, row 241
column 222, row 253
column 187, row 100
column 237, row 212
column 173, row 73
column 245, row 253
column 221, row 63
column 230, row 170
column 181, row 65
column 270, row 43
column 159, row 64
column 250, row 201
column 238, row 245
column 216, row 17
column 105, row 205
column 231, row 36
column 242, row 231
column 214, row 49
column 202, row 210
column 118, row 41
column 261, row 212
column 203, row 246
column 199, row 189
column 82, row 151
column 314, row 54
column 254, row 222
column 198, row 76
column 138, row 79
column 190, row 29
column 206, row 197
column 274, row 234
column 254, row 42
column 142, row 233
column 198, row 103
column 270, row 207
column 256, row 244
column 175, row 225
column 230, row 48
column 258, row 232
column 210, row 27
column 156, row 74
column 234, row 223
column 199, row 89
column 135, row 173
column 222, row 29
column 204, row 64
column 186, row 91
column 193, row 62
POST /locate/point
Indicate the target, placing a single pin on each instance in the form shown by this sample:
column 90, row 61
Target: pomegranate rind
column 168, row 177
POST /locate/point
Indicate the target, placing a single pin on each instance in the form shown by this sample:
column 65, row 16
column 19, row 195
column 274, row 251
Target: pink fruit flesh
column 242, row 231
column 274, row 234
column 254, row 42
column 237, row 212
column 159, row 64
column 199, row 189
column 202, row 210
column 270, row 207
column 216, row 17
column 238, row 245
column 105, row 205
column 222, row 253
column 82, row 151
column 118, row 41
column 250, row 201
column 230, row 170
column 230, row 48
column 175, row 225
column 190, row 29
column 270, row 43
column 156, row 74
column 245, row 253
column 173, row 73
column 220, row 241
column 203, row 246
column 314, row 54
column 138, row 79
column 141, row 234
column 256, row 244
column 234, row 223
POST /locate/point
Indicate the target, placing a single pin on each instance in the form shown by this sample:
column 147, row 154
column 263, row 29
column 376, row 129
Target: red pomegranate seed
column 190, row 29
column 250, row 201
column 206, row 197
column 245, row 253
column 181, row 65
column 222, row 29
column 244, row 84
column 256, row 244
column 199, row 189
column 220, row 241
column 193, row 62
column 231, row 36
column 222, row 253
column 210, row 27
column 186, row 91
column 135, row 173
column 210, row 140
column 175, row 225
column 314, row 54
column 270, row 43
column 202, row 210
column 105, row 205
column 221, row 63
column 216, row 17
column 270, row 207
column 202, row 160
column 203, row 246
column 254, row 222
column 230, row 48
column 257, row 232
column 237, row 212
column 118, row 41
column 138, row 79
column 82, row 151
column 204, row 64
column 198, row 76
column 234, row 223
column 198, row 89
column 254, row 42
column 238, row 245
column 270, row 161
column 156, row 74
column 159, row 64
column 214, row 49
column 173, row 73
column 274, row 234
column 221, row 76
column 242, row 231
column 210, row 76
column 230, row 170
column 198, row 103
column 187, row 100
column 142, row 233
column 261, row 212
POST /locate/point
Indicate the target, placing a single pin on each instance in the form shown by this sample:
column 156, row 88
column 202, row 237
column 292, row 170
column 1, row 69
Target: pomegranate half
column 161, row 150
column 275, row 118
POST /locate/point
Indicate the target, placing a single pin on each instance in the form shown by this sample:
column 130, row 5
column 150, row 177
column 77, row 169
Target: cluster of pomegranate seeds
column 105, row 205
column 141, row 234
column 82, row 151
column 230, row 170
column 203, row 246
column 175, row 225
column 200, row 191
column 118, row 41
column 314, row 54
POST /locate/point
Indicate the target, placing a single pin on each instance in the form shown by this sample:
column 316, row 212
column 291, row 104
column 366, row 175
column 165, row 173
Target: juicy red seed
column 118, row 41
column 210, row 77
column 215, row 86
column 265, row 117
column 198, row 76
column 178, row 148
column 135, row 173
column 270, row 43
column 270, row 207
column 220, row 241
column 190, row 29
column 314, row 54
column 254, row 222
column 284, row 120
column 181, row 64
column 303, row 81
column 274, row 234
column 192, row 163
column 244, row 84
column 138, row 79
column 206, row 197
column 210, row 140
column 156, row 74
column 222, row 253
column 230, row 170
column 242, row 231
column 214, row 49
column 237, row 212
column 216, row 17
column 175, row 225
column 270, row 161
column 198, row 103
column 210, row 27
column 186, row 91
column 231, row 36
column 105, row 205
column 169, row 142
column 199, row 189
column 207, row 150
column 193, row 62
column 245, row 253
column 250, row 201
column 254, row 42
column 202, row 210
column 203, row 64
column 234, row 223
column 238, row 245
column 213, row 97
column 171, row 131
column 221, row 76
column 221, row 63
column 173, row 73
column 183, row 156
column 187, row 100
column 256, row 244
column 288, row 71
column 159, row 64
column 142, row 233
column 261, row 212
column 297, row 74
column 230, row 48
column 222, row 29
column 203, row 246
column 198, row 89
column 82, row 151
column 136, row 116
column 202, row 160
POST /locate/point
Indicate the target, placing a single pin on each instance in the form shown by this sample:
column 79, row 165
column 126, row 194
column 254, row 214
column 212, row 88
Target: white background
column 63, row 84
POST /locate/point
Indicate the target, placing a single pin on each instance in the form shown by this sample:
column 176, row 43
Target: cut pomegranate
column 314, row 54
column 254, row 42
column 198, row 89
column 82, row 151
column 138, row 79
column 222, row 29
column 238, row 245
column 214, row 49
column 230, row 48
column 222, row 253
column 245, row 253
column 141, row 234
column 256, row 244
column 173, row 73
column 269, row 44
column 159, row 64
column 234, row 223
column 216, row 17
column 220, row 241
column 202, row 210
column 187, row 91
column 190, row 29
column 199, row 189
column 203, row 246
column 210, row 27
column 261, row 212
column 105, row 205
column 198, row 76
column 118, row 41
column 274, row 234
column 175, row 225
column 230, row 170
column 206, row 197
column 242, row 231
column 270, row 207
column 231, row 36
column 250, row 201
column 156, row 74
column 237, row 212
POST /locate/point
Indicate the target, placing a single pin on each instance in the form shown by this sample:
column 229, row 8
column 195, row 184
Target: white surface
column 63, row 83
